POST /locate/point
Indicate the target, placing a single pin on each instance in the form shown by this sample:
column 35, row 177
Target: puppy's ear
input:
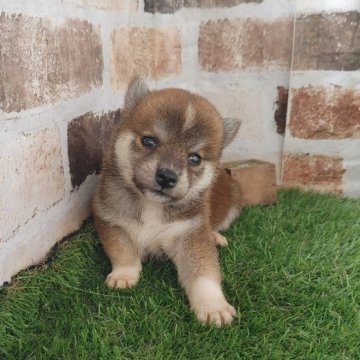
column 231, row 127
column 136, row 91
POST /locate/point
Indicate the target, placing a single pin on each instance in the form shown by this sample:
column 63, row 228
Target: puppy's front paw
column 220, row 240
column 215, row 312
column 209, row 304
column 122, row 278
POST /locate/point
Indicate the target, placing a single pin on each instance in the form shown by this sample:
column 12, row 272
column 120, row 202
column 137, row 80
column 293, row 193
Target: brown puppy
column 162, row 192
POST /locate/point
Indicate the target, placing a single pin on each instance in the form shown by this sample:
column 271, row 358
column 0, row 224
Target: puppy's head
column 170, row 142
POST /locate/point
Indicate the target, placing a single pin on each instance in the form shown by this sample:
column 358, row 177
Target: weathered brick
column 41, row 62
column 330, row 112
column 231, row 45
column 32, row 177
column 317, row 172
column 171, row 6
column 281, row 109
column 148, row 52
column 117, row 5
column 327, row 42
column 88, row 137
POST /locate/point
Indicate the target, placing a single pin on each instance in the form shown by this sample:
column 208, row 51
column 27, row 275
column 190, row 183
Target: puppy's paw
column 215, row 312
column 123, row 278
column 220, row 240
column 209, row 304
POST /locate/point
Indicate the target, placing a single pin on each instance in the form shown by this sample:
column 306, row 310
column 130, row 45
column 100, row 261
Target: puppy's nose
column 166, row 178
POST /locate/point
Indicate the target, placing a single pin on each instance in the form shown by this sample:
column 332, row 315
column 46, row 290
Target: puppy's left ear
column 231, row 127
column 136, row 91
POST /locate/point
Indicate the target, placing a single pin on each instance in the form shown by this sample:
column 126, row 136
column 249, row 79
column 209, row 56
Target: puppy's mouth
column 156, row 193
column 161, row 194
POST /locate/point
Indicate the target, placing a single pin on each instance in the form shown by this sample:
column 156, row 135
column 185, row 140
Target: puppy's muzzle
column 166, row 178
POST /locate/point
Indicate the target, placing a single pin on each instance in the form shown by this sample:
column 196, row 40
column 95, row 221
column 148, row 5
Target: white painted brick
column 244, row 103
column 33, row 241
column 117, row 5
column 311, row 6
column 254, row 106
column 32, row 177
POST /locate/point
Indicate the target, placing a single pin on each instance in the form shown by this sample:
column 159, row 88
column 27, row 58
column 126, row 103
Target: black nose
column 166, row 178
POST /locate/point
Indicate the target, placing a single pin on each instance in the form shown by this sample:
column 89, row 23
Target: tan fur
column 136, row 217
column 220, row 240
column 225, row 201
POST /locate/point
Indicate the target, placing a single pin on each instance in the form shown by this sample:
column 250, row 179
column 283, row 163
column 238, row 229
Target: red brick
column 232, row 45
column 318, row 172
column 330, row 112
column 327, row 42
column 42, row 63
column 148, row 52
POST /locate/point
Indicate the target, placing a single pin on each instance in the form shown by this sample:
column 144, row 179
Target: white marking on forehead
column 189, row 117
column 122, row 150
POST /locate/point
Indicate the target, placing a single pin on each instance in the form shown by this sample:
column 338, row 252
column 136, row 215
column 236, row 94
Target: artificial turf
column 292, row 270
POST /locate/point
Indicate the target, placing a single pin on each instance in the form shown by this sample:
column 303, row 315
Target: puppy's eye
column 194, row 159
column 149, row 142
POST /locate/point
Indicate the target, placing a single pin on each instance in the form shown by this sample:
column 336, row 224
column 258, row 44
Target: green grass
column 292, row 271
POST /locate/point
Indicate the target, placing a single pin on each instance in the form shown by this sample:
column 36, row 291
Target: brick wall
column 64, row 66
column 322, row 142
column 56, row 109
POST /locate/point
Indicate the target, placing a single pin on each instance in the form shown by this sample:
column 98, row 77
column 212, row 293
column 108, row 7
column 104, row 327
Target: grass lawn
column 292, row 271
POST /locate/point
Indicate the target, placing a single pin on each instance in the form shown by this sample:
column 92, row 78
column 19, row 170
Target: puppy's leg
column 198, row 268
column 125, row 260
column 220, row 240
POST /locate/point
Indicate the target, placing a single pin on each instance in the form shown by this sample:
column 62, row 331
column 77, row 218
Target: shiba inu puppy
column 162, row 191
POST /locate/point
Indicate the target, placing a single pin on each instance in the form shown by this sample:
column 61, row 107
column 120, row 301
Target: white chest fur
column 153, row 234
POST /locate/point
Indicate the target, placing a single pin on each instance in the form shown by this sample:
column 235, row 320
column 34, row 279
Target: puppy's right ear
column 231, row 127
column 136, row 91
